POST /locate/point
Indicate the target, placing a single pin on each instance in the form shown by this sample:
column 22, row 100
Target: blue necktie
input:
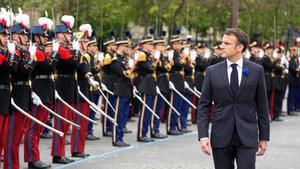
column 234, row 80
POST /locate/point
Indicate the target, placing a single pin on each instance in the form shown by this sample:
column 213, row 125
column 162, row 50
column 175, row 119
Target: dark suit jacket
column 248, row 110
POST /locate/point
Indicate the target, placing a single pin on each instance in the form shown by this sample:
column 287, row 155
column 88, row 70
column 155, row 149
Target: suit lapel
column 225, row 77
column 244, row 78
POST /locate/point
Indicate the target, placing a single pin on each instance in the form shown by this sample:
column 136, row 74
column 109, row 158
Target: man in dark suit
column 240, row 129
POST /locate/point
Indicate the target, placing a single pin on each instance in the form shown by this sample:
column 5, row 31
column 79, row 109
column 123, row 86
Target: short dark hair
column 241, row 36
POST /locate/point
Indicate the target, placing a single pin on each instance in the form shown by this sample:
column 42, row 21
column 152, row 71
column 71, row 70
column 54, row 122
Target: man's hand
column 262, row 148
column 205, row 146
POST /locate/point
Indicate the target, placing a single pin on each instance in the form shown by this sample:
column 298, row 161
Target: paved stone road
column 180, row 152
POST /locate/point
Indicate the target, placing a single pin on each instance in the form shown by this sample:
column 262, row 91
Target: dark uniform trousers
column 32, row 134
column 122, row 106
column 108, row 125
column 173, row 120
column 145, row 116
column 158, row 107
column 95, row 99
column 184, row 111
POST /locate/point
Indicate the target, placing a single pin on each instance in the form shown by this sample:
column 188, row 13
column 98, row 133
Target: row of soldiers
column 282, row 71
column 49, row 69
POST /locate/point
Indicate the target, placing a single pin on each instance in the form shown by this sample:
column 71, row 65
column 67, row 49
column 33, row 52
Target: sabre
column 166, row 100
column 59, row 116
column 199, row 93
column 106, row 100
column 34, row 119
column 74, row 110
column 185, row 99
column 95, row 107
column 141, row 100
column 191, row 90
column 108, row 91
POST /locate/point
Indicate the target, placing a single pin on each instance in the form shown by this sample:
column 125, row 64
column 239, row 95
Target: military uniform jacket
column 66, row 82
column 109, row 77
column 146, row 78
column 123, row 85
column 96, row 73
column 177, row 72
column 162, row 71
column 188, row 77
column 215, row 59
column 83, row 69
column 278, row 79
column 200, row 69
column 22, row 93
column 6, row 68
column 255, row 59
column 294, row 76
column 269, row 72
column 42, row 76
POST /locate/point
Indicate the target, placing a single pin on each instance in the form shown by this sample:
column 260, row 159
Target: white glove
column 35, row 99
column 135, row 91
column 170, row 55
column 193, row 55
column 186, row 85
column 75, row 45
column 103, row 87
column 156, row 54
column 32, row 50
column 55, row 46
column 11, row 47
column 94, row 83
column 130, row 63
column 171, row 86
column 157, row 89
column 56, row 95
column 186, row 51
column 100, row 57
column 136, row 56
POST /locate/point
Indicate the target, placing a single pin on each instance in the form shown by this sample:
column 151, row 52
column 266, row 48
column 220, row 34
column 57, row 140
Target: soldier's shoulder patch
column 142, row 57
column 107, row 59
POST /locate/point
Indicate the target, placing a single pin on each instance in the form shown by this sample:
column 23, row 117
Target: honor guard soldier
column 85, row 78
column 96, row 64
column 43, row 87
column 279, row 82
column 162, row 73
column 21, row 90
column 8, row 65
column 66, row 85
column 294, row 82
column 255, row 49
column 122, row 89
column 216, row 57
column 177, row 78
column 201, row 63
column 146, row 85
column 269, row 65
column 108, row 80
column 190, row 57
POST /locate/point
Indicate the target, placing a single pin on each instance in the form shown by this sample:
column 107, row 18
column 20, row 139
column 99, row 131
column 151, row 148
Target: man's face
column 20, row 38
column 3, row 38
column 255, row 51
column 176, row 46
column 148, row 46
column 112, row 47
column 65, row 37
column 230, row 46
column 160, row 47
column 92, row 49
column 269, row 52
column 42, row 39
column 83, row 45
column 200, row 51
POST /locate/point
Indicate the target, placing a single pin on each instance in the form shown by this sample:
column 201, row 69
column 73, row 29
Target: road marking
column 116, row 150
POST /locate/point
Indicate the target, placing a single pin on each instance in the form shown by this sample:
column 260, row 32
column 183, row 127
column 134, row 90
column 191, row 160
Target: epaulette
column 142, row 57
column 107, row 59
column 114, row 58
column 85, row 56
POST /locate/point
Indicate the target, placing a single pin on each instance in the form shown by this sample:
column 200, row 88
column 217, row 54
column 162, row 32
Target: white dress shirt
column 239, row 69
